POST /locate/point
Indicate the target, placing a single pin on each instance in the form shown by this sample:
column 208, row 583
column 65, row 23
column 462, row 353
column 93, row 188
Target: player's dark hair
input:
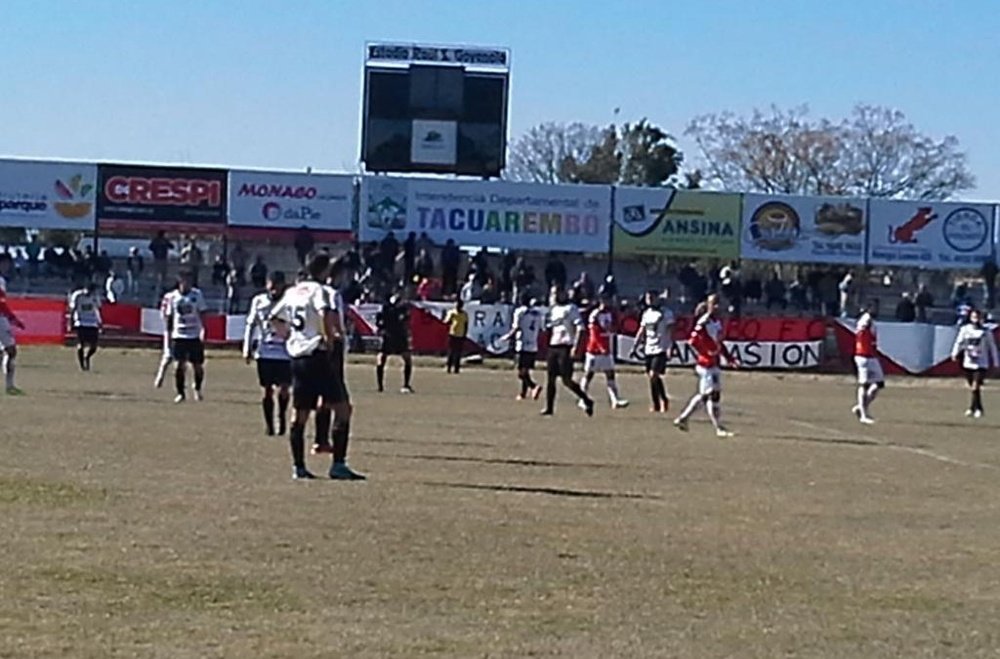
column 277, row 277
column 5, row 258
column 185, row 274
column 90, row 287
column 459, row 305
column 318, row 266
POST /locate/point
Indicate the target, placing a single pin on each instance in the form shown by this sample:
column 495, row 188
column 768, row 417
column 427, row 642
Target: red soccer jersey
column 706, row 340
column 865, row 339
column 600, row 329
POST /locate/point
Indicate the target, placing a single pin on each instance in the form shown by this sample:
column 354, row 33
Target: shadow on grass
column 498, row 461
column 826, row 440
column 552, row 491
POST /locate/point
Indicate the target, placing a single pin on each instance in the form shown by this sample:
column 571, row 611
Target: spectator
column 238, row 259
column 160, row 248
column 906, row 312
column 451, row 258
column 424, row 242
column 489, row 294
column 428, row 289
column 609, row 288
column 219, row 271
column 798, row 295
column 845, row 289
column 689, row 279
column 507, row 262
column 192, row 259
column 814, row 281
column 924, row 301
column 388, row 249
column 582, row 289
column 471, row 290
column 555, row 272
column 753, row 289
column 409, row 256
column 989, row 272
column 524, row 278
column 34, row 252
column 134, row 266
column 829, row 293
column 114, row 287
column 304, row 244
column 234, row 281
column 424, row 267
column 103, row 264
column 480, row 265
column 774, row 293
column 258, row 274
column 731, row 284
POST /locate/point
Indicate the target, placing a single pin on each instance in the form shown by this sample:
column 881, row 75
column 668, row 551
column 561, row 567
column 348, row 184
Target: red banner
column 44, row 320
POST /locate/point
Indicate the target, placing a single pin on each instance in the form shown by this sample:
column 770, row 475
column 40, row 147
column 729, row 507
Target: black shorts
column 656, row 363
column 560, row 361
column 526, row 360
column 274, row 372
column 394, row 344
column 313, row 378
column 188, row 350
column 975, row 376
column 87, row 335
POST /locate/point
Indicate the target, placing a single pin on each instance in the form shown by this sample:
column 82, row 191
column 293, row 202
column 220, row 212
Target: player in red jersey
column 600, row 333
column 870, row 377
column 706, row 340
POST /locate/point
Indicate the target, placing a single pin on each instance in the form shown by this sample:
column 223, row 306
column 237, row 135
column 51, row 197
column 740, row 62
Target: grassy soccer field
column 130, row 526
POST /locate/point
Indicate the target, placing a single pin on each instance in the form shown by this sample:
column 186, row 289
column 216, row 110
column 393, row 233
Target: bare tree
column 875, row 152
column 538, row 155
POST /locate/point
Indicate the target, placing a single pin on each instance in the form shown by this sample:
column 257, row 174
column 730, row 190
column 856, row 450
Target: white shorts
column 598, row 363
column 869, row 370
column 7, row 339
column 709, row 379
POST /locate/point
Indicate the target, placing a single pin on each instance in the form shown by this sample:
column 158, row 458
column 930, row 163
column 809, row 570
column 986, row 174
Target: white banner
column 283, row 200
column 434, row 142
column 47, row 195
column 752, row 354
column 568, row 218
column 803, row 229
column 930, row 234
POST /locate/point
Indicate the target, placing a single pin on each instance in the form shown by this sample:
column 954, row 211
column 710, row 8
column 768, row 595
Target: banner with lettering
column 930, row 234
column 803, row 229
column 668, row 222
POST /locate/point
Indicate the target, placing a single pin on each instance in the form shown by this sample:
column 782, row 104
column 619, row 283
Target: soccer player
column 526, row 326
column 306, row 315
column 167, row 357
column 598, row 357
column 457, row 321
column 85, row 319
column 184, row 307
column 262, row 343
column 564, row 322
column 706, row 340
column 977, row 350
column 8, row 320
column 393, row 322
column 870, row 377
column 655, row 339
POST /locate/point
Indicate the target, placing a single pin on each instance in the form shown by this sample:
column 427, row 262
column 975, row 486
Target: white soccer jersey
column 3, row 285
column 303, row 307
column 269, row 344
column 184, row 310
column 656, row 324
column 84, row 309
column 565, row 322
column 527, row 322
column 337, row 303
column 977, row 346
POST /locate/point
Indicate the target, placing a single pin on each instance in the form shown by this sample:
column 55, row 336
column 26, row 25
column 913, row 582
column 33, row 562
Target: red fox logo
column 906, row 232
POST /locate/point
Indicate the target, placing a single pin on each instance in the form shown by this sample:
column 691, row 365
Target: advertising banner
column 283, row 200
column 434, row 142
column 149, row 196
column 930, row 234
column 803, row 229
column 567, row 218
column 667, row 222
column 47, row 195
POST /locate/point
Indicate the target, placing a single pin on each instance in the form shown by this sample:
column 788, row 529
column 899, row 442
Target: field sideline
column 135, row 527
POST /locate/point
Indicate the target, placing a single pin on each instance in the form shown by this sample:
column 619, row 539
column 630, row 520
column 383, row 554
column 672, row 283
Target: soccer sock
column 654, row 393
column 524, row 385
column 863, row 400
column 179, row 381
column 550, row 393
column 407, row 373
column 80, row 358
column 323, row 426
column 282, row 410
column 584, row 383
column 692, row 406
column 8, row 370
column 576, row 389
column 380, row 376
column 199, row 379
column 871, row 394
column 613, row 391
column 267, row 403
column 531, row 383
column 341, row 437
column 715, row 413
column 297, row 442
column 977, row 400
column 91, row 350
column 661, row 391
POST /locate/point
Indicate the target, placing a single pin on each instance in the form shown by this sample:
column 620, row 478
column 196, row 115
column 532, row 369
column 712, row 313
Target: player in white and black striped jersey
column 654, row 339
column 261, row 343
column 977, row 350
column 85, row 319
column 525, row 330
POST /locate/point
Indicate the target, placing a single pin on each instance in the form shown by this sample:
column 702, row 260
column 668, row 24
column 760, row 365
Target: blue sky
column 277, row 84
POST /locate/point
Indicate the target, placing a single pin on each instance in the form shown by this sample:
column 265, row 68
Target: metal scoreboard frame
column 444, row 148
